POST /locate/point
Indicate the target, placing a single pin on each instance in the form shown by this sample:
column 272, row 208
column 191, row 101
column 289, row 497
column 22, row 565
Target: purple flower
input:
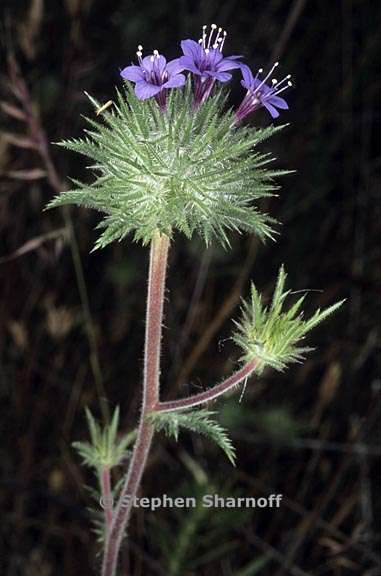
column 206, row 61
column 154, row 75
column 261, row 94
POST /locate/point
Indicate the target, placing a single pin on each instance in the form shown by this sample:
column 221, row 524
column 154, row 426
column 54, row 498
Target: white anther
column 279, row 84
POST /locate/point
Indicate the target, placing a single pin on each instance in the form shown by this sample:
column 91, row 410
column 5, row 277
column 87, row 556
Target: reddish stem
column 211, row 394
column 154, row 318
column 106, row 496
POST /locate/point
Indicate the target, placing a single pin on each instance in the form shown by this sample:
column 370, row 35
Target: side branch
column 211, row 394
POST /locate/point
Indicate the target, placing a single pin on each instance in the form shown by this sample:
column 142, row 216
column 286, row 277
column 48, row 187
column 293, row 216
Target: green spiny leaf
column 196, row 421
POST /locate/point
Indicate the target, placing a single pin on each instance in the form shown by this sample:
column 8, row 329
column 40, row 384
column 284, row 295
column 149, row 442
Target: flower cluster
column 205, row 60
column 169, row 160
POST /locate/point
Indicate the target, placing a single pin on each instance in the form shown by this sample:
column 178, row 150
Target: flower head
column 261, row 94
column 206, row 61
column 154, row 75
column 185, row 170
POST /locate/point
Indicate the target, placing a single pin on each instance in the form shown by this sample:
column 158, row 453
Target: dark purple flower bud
column 154, row 76
column 206, row 61
column 261, row 94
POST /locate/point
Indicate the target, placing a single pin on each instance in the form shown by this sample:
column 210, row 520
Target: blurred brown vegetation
column 72, row 323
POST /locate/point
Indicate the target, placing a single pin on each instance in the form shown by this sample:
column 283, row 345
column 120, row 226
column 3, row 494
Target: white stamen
column 268, row 75
column 156, row 53
column 258, row 73
column 223, row 40
column 203, row 36
column 206, row 50
column 282, row 89
column 212, row 28
column 284, row 79
column 215, row 45
column 139, row 53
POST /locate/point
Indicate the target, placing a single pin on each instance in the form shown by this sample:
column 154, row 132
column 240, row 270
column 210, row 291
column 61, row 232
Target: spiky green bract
column 197, row 421
column 273, row 335
column 188, row 169
column 105, row 450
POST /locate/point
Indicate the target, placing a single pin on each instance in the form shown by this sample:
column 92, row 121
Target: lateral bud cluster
column 273, row 334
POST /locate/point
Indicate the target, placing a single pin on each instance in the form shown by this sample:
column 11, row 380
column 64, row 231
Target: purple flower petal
column 187, row 63
column 191, row 48
column 160, row 63
column 176, row 81
column 147, row 63
column 214, row 57
column 227, row 64
column 248, row 78
column 144, row 90
column 278, row 102
column 273, row 111
column 175, row 66
column 133, row 73
column 220, row 76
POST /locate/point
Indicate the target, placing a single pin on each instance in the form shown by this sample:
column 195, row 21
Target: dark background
column 311, row 434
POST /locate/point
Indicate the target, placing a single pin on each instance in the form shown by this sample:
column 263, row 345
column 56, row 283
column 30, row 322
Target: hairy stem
column 155, row 302
column 211, row 394
column 105, row 480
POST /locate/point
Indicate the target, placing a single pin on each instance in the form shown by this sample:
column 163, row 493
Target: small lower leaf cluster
column 272, row 334
column 196, row 421
column 105, row 450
